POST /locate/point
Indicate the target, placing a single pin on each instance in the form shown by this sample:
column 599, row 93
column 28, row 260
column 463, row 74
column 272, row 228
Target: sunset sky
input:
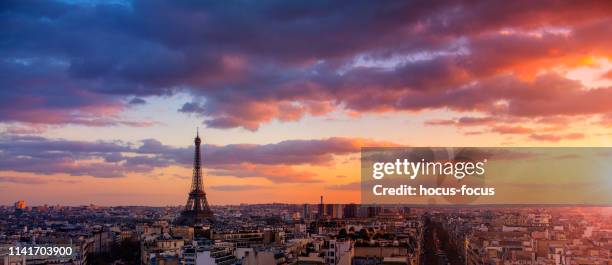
column 100, row 100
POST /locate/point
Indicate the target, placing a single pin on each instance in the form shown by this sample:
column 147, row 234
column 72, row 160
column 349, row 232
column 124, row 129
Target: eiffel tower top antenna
column 196, row 184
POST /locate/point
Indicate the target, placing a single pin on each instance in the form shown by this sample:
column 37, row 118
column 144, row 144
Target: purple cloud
column 74, row 63
column 116, row 159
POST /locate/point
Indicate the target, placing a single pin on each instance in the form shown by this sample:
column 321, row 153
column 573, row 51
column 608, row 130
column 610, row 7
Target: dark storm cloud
column 248, row 63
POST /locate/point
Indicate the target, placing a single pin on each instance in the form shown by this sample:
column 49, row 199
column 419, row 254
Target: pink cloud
column 276, row 173
column 607, row 75
column 512, row 130
column 556, row 138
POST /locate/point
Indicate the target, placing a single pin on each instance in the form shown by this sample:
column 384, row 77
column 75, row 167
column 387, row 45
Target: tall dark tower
column 321, row 208
column 197, row 210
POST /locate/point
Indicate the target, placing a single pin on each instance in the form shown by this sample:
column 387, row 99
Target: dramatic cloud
column 289, row 152
column 115, row 159
column 275, row 174
column 43, row 156
column 463, row 121
column 83, row 63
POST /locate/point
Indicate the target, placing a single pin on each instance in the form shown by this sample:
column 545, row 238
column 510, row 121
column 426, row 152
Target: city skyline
column 99, row 100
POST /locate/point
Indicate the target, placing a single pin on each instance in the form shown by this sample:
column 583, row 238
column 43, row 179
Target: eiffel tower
column 196, row 210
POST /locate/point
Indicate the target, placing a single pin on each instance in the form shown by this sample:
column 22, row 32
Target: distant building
column 102, row 240
column 256, row 258
column 160, row 250
column 337, row 252
column 350, row 211
column 321, row 208
column 220, row 254
column 305, row 212
column 313, row 259
column 184, row 232
column 373, row 211
column 20, row 204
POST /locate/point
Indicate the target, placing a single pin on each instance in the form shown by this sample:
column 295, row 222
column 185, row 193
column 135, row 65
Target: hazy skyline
column 100, row 100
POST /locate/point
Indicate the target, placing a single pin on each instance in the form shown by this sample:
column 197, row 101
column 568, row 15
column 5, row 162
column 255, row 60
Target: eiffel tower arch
column 196, row 210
